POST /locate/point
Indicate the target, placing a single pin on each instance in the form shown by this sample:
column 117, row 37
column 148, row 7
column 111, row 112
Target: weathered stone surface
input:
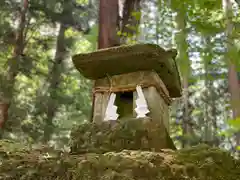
column 129, row 81
column 159, row 110
column 131, row 134
column 197, row 163
column 131, row 58
column 156, row 94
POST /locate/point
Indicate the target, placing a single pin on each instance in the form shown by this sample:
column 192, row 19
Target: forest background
column 42, row 95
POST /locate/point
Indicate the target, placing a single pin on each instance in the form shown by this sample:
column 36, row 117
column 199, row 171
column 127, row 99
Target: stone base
column 131, row 134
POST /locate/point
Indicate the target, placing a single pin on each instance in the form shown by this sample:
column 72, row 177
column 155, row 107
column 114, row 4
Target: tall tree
column 117, row 16
column 114, row 16
column 108, row 23
column 184, row 64
column 54, row 81
column 56, row 72
column 13, row 66
column 233, row 81
column 207, row 58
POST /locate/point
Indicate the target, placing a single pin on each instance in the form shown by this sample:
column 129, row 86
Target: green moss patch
column 197, row 163
column 131, row 134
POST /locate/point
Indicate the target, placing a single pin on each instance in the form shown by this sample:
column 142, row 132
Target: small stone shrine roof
column 131, row 58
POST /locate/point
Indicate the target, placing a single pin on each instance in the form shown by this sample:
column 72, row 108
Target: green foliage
column 132, row 31
column 234, row 123
column 28, row 110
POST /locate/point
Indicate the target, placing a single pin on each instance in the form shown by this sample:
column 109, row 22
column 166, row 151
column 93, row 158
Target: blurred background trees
column 42, row 96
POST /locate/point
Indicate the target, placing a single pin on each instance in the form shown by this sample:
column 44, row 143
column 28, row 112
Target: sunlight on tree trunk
column 208, row 134
column 210, row 96
column 13, row 68
column 185, row 68
column 234, row 88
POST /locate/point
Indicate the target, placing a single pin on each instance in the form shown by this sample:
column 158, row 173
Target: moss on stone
column 131, row 58
column 197, row 163
column 131, row 134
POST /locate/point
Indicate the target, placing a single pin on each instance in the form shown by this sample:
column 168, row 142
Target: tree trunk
column 207, row 96
column 108, row 24
column 13, row 68
column 112, row 18
column 56, row 73
column 55, row 79
column 128, row 21
column 211, row 128
column 234, row 88
column 214, row 115
column 185, row 68
column 108, row 27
